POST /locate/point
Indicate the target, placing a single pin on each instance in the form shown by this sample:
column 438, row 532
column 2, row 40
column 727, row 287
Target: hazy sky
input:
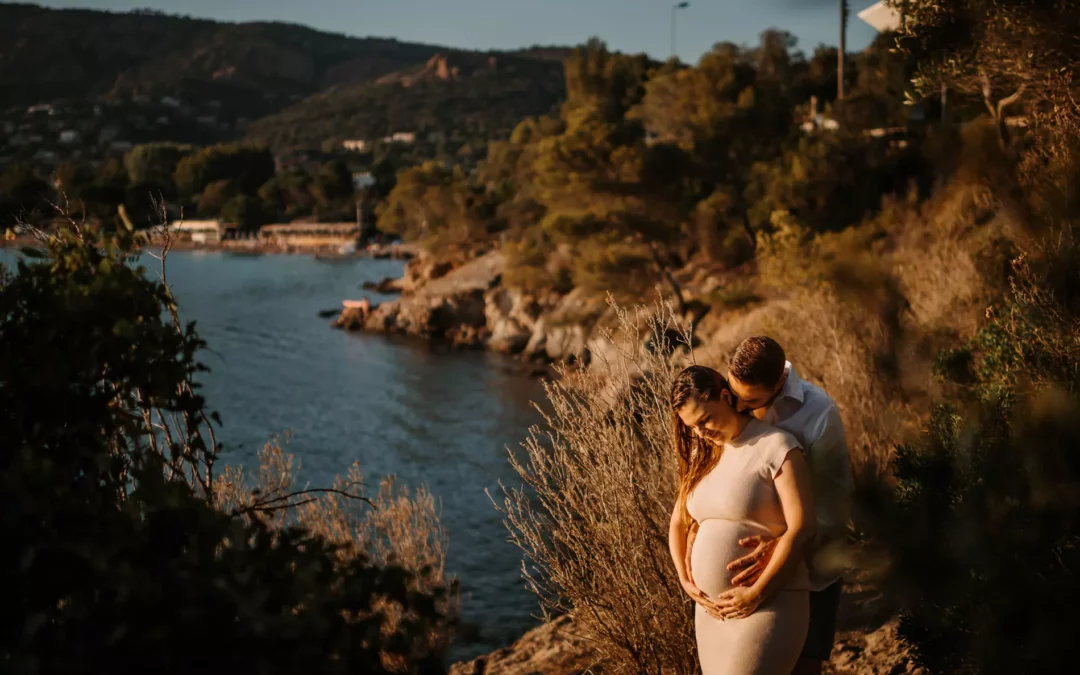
column 626, row 25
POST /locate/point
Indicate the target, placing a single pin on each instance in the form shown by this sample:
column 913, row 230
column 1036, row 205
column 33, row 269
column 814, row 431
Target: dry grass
column 392, row 527
column 593, row 519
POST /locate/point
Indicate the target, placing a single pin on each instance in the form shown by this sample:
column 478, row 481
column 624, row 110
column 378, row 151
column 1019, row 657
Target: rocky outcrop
column 466, row 304
column 550, row 649
column 440, row 301
column 385, row 286
column 866, row 644
column 511, row 317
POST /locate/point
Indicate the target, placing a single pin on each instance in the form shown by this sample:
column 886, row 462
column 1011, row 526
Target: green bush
column 117, row 556
column 246, row 212
column 246, row 166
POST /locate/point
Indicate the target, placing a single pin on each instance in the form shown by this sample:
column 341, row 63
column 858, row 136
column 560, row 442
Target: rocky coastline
column 465, row 304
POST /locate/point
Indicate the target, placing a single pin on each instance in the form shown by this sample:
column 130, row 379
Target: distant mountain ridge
column 252, row 69
column 457, row 95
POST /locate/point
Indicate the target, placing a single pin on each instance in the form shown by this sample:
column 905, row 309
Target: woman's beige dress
column 738, row 499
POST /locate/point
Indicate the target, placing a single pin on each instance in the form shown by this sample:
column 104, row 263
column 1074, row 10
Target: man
column 768, row 388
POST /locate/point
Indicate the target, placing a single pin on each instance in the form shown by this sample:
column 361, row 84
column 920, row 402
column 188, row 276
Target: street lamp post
column 675, row 8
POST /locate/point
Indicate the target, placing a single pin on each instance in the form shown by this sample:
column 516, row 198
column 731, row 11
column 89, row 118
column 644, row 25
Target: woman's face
column 706, row 418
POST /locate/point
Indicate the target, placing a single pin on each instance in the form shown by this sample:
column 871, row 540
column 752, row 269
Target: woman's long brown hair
column 697, row 456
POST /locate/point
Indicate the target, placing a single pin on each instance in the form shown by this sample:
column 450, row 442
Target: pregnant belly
column 716, row 545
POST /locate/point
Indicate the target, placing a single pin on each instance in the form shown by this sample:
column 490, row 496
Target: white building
column 170, row 101
column 355, row 145
column 407, row 137
column 199, row 231
column 69, row 136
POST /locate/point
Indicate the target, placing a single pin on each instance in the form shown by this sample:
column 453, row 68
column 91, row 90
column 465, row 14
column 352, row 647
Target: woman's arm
column 793, row 486
column 677, row 535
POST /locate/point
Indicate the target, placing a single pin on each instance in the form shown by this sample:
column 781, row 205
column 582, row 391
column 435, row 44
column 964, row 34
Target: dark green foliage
column 246, row 212
column 248, row 167
column 115, row 558
column 288, row 194
column 24, row 195
column 155, row 163
column 832, row 181
column 988, row 513
column 334, row 183
column 214, row 198
column 984, row 527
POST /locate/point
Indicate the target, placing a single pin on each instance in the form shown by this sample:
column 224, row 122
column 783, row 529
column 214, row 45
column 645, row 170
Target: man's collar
column 793, row 386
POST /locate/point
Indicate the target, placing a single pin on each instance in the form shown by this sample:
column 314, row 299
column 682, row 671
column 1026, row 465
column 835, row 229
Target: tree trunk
column 997, row 110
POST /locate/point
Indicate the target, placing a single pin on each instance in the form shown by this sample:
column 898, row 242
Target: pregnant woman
column 739, row 477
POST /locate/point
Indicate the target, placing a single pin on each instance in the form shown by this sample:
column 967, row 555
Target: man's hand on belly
column 749, row 567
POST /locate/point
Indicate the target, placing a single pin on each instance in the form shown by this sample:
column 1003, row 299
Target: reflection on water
column 443, row 419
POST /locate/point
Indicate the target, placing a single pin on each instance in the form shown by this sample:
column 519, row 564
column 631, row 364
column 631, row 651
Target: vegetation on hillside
column 650, row 165
column 250, row 68
column 454, row 104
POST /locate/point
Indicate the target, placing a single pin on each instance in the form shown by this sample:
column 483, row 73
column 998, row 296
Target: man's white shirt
column 807, row 413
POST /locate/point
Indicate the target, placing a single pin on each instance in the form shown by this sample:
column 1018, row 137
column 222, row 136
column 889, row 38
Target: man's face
column 754, row 399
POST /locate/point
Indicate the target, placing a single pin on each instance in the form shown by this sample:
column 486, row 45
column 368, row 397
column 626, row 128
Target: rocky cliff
column 467, row 305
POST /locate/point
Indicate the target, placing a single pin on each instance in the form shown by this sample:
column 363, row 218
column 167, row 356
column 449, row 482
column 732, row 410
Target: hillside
column 251, row 68
column 337, row 86
column 462, row 95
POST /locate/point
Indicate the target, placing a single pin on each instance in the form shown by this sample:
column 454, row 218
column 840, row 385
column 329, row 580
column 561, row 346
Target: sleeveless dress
column 738, row 499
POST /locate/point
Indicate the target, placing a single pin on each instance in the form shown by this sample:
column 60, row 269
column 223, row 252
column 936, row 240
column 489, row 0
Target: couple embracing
column 762, row 508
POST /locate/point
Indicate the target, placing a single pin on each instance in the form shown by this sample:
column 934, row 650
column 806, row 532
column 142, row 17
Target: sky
column 626, row 25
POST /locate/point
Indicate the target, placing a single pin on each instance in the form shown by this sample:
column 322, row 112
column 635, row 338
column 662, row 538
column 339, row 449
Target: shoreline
column 465, row 305
column 403, row 252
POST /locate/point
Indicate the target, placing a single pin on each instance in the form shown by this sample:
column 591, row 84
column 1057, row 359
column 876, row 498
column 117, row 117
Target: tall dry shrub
column 393, row 527
column 599, row 484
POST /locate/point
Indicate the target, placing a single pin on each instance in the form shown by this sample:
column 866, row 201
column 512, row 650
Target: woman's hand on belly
column 698, row 596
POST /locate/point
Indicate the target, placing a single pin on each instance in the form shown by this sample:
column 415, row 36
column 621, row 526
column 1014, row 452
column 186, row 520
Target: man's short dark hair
column 758, row 362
